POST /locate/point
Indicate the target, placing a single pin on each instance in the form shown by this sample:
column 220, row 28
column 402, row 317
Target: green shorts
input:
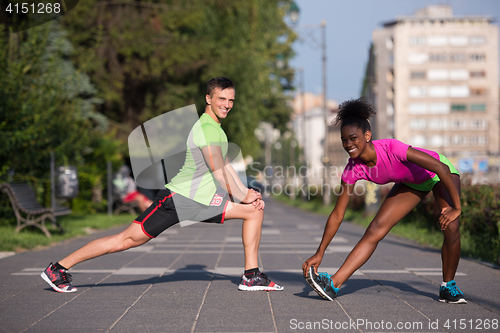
column 428, row 185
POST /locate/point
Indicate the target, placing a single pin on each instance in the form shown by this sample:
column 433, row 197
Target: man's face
column 221, row 102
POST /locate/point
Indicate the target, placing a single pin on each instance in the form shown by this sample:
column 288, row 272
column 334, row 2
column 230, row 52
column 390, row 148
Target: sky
column 349, row 26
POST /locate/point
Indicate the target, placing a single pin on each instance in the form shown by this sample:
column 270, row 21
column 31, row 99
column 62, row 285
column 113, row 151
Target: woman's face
column 354, row 140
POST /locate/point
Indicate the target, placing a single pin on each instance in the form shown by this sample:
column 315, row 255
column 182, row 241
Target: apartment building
column 433, row 78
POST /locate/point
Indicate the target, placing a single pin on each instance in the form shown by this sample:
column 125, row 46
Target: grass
column 74, row 225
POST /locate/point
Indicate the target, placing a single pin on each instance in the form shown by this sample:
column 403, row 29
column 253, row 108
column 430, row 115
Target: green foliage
column 147, row 58
column 46, row 105
column 479, row 222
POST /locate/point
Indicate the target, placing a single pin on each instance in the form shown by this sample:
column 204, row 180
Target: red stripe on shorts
column 151, row 213
column 224, row 212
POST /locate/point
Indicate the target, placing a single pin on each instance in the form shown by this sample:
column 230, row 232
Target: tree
column 47, row 105
column 147, row 58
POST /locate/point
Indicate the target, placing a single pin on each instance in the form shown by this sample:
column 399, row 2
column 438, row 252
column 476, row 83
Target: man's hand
column 314, row 261
column 251, row 196
column 448, row 215
column 259, row 204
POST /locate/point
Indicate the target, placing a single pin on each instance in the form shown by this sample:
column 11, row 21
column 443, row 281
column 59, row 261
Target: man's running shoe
column 451, row 294
column 322, row 284
column 258, row 281
column 58, row 279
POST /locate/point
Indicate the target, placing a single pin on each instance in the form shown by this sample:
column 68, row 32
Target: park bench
column 121, row 206
column 23, row 200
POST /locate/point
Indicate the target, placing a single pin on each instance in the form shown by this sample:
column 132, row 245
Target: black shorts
column 170, row 208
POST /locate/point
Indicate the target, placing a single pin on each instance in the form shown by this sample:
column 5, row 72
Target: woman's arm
column 443, row 171
column 331, row 227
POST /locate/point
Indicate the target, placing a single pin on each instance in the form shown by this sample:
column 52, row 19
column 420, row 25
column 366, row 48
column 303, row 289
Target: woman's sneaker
column 322, row 284
column 451, row 294
column 258, row 282
column 58, row 279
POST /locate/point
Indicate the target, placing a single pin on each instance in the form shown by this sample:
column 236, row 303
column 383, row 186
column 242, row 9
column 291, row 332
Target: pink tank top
column 392, row 165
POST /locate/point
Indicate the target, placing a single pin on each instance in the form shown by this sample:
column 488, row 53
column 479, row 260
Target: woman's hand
column 448, row 215
column 314, row 261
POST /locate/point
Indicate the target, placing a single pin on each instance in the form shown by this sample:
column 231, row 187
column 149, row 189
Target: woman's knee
column 452, row 231
column 375, row 232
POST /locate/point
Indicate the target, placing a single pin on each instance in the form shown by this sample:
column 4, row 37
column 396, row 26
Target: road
column 186, row 280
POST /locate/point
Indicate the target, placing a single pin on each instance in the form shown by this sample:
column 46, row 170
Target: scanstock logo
column 19, row 15
column 158, row 150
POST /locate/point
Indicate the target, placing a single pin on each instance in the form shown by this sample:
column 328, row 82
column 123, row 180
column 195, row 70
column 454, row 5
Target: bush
column 479, row 222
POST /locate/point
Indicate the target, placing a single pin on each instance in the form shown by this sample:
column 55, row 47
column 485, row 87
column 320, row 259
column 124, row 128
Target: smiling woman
column 416, row 172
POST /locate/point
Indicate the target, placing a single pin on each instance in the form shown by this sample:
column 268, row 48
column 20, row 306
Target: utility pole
column 326, row 159
column 305, row 193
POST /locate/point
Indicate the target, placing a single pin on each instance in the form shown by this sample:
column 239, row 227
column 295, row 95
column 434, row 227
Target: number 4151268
column 477, row 324
column 39, row 8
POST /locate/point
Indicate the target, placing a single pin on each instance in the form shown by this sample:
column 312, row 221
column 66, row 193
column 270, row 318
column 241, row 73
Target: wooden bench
column 121, row 206
column 23, row 200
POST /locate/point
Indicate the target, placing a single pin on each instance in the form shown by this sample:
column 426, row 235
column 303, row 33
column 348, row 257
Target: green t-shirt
column 195, row 179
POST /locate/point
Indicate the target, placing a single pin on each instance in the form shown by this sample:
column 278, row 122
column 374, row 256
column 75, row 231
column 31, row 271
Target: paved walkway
column 186, row 281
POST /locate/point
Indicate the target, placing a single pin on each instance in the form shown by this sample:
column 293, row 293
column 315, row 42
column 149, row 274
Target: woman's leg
column 450, row 252
column 399, row 202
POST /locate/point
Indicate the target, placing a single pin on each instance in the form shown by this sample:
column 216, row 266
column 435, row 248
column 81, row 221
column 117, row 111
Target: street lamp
column 293, row 12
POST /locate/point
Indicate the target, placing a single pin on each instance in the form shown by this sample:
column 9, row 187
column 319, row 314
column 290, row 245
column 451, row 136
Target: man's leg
column 252, row 279
column 131, row 237
column 251, row 231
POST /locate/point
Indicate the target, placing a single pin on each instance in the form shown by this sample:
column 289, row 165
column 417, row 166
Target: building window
column 417, row 40
column 478, row 107
column 458, row 124
column 437, row 91
column 477, row 92
column 458, row 57
column 458, row 40
column 438, row 124
column 459, row 91
column 478, row 140
column 437, row 40
column 417, row 108
column 438, row 57
column 477, row 74
column 418, row 140
column 477, row 57
column 439, row 108
column 391, row 59
column 458, row 107
column 390, row 109
column 389, row 43
column 417, row 124
column 477, row 40
column 458, row 140
column 459, row 74
column 418, row 58
column 416, row 75
column 437, row 74
column 478, row 124
column 389, row 76
column 416, row 92
column 437, row 141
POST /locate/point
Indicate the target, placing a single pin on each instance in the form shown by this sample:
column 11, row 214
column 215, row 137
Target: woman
column 416, row 172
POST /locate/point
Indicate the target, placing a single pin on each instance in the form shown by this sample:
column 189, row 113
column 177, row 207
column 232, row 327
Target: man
column 190, row 195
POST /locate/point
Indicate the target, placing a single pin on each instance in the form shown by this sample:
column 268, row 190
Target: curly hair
column 355, row 112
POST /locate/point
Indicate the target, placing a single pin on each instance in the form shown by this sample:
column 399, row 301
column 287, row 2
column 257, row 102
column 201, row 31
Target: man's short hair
column 219, row 82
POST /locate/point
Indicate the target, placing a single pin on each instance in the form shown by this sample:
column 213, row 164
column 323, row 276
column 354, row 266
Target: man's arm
column 225, row 176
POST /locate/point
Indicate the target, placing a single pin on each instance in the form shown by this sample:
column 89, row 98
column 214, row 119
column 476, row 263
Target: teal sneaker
column 322, row 284
column 451, row 294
